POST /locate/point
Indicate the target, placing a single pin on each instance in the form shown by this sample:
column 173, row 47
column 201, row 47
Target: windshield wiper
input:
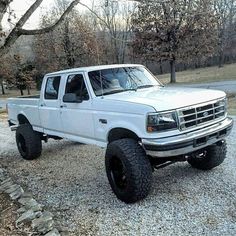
column 146, row 86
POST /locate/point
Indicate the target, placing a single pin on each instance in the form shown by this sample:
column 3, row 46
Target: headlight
column 161, row 121
column 223, row 103
column 220, row 108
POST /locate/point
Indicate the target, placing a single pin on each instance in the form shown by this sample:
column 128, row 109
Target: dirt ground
column 8, row 216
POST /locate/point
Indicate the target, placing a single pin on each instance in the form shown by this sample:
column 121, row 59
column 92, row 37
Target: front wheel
column 210, row 157
column 128, row 170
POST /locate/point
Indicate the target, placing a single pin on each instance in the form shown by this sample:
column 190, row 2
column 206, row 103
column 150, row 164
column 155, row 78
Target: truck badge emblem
column 205, row 114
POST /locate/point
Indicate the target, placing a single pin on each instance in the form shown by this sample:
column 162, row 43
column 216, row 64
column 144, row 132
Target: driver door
column 77, row 118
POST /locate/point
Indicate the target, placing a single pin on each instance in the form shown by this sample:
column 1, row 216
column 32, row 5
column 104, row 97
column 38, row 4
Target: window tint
column 75, row 84
column 52, row 87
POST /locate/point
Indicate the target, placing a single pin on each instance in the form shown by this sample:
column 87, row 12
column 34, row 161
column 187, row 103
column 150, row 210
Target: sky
column 20, row 6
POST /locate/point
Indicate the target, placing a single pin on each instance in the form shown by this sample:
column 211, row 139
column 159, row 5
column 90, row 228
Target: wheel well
column 22, row 119
column 119, row 133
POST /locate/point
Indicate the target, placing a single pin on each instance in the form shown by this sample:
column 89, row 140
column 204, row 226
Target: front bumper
column 189, row 142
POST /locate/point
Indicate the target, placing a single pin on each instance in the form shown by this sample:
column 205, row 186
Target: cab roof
column 91, row 68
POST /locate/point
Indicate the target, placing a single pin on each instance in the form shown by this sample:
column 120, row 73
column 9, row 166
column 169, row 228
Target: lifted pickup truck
column 125, row 109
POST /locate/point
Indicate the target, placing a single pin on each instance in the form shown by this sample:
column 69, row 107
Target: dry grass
column 208, row 74
column 232, row 104
column 2, row 111
column 3, row 116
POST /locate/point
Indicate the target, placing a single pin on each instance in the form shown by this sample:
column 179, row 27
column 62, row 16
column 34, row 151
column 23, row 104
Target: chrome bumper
column 188, row 142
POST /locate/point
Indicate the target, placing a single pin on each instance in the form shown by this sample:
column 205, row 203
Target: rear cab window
column 52, row 88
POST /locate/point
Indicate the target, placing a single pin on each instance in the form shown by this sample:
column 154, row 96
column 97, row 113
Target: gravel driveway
column 69, row 179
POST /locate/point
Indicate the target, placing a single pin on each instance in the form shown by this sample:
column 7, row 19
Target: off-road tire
column 215, row 155
column 28, row 142
column 137, row 169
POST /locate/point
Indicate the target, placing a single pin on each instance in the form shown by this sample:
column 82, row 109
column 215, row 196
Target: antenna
column 100, row 75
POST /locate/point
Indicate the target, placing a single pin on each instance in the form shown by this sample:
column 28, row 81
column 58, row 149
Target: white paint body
column 80, row 122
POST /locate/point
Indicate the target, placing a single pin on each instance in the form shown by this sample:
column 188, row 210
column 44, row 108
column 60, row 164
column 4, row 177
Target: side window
column 52, row 88
column 75, row 84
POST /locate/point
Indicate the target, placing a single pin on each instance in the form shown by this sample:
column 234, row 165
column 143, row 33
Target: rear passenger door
column 77, row 118
column 49, row 107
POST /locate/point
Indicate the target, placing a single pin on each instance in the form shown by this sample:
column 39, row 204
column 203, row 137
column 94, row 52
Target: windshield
column 116, row 80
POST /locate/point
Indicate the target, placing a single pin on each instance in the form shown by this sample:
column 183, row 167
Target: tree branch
column 106, row 23
column 28, row 14
column 52, row 27
column 18, row 31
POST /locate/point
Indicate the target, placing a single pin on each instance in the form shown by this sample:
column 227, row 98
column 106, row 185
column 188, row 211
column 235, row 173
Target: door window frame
column 85, row 82
column 45, row 89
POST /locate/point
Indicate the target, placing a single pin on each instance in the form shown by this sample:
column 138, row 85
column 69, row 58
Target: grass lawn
column 208, row 74
column 232, row 104
column 3, row 115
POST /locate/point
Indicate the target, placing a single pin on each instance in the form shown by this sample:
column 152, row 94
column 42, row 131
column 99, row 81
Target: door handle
column 42, row 104
column 64, row 105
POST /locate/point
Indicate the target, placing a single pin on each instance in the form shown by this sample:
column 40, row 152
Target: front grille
column 198, row 115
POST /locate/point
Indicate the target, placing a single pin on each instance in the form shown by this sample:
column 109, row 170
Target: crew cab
column 124, row 108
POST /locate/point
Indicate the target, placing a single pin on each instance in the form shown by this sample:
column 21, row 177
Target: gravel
column 69, row 180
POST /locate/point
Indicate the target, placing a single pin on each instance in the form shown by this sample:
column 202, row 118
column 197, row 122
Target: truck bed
column 30, row 96
column 27, row 106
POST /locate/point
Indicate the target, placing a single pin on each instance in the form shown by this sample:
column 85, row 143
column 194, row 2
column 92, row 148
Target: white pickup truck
column 125, row 109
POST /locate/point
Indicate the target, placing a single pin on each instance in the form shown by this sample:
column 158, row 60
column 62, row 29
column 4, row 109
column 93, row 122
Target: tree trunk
column 21, row 92
column 221, row 59
column 3, row 90
column 173, row 73
column 67, row 46
column 161, row 68
column 28, row 90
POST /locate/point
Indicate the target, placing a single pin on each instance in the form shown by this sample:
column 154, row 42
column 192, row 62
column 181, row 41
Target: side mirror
column 71, row 98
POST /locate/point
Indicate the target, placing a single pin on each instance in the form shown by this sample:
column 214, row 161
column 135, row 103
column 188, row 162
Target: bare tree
column 112, row 22
column 174, row 31
column 226, row 12
column 71, row 44
column 6, row 71
column 118, row 23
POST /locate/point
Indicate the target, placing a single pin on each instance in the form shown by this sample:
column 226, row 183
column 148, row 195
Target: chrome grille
column 198, row 115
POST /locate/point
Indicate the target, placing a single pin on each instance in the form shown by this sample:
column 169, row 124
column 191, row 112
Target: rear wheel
column 128, row 170
column 210, row 157
column 28, row 142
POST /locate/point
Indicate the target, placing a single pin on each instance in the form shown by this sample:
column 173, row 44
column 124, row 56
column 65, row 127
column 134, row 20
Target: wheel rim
column 201, row 155
column 21, row 144
column 118, row 173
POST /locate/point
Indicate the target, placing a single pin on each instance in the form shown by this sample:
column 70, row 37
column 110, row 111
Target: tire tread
column 138, row 165
column 214, row 157
column 32, row 139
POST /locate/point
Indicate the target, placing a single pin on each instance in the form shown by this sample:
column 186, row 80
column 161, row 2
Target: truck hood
column 167, row 98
